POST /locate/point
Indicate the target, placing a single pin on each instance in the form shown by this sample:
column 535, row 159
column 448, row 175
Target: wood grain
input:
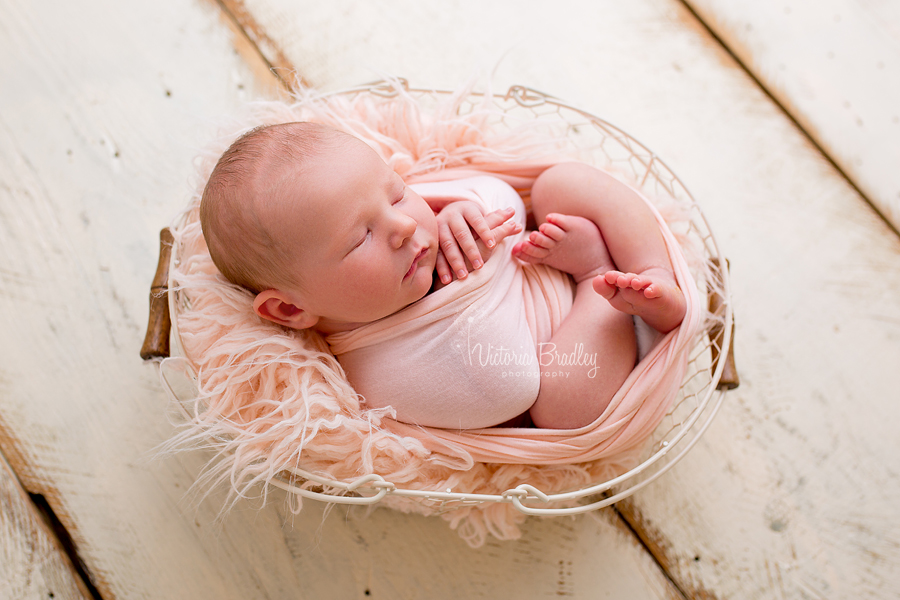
column 789, row 494
column 834, row 66
column 778, row 499
column 104, row 107
column 34, row 564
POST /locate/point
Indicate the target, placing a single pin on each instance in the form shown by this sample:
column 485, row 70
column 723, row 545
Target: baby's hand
column 456, row 223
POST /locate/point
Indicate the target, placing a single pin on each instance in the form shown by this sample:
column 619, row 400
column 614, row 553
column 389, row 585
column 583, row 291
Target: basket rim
column 372, row 488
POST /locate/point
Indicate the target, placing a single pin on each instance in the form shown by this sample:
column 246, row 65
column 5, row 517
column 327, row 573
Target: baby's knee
column 556, row 184
column 554, row 178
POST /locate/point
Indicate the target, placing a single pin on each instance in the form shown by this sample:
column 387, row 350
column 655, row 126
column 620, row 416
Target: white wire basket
column 710, row 372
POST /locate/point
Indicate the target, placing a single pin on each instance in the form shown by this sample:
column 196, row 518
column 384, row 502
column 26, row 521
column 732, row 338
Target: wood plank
column 834, row 65
column 82, row 230
column 34, row 563
column 789, row 494
column 104, row 106
column 393, row 555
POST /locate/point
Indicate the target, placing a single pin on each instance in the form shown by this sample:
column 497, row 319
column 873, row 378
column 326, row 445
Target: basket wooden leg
column 156, row 342
column 730, row 378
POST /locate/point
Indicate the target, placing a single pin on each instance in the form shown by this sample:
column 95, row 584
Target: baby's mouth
column 415, row 263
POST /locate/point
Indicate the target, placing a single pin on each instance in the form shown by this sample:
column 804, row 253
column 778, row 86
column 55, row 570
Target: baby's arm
column 458, row 222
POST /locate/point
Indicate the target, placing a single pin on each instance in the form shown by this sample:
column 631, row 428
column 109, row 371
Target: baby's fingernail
column 461, row 273
column 446, row 279
column 491, row 243
column 477, row 264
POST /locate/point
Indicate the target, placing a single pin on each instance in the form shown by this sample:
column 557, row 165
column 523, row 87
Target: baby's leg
column 641, row 281
column 594, row 349
column 585, row 363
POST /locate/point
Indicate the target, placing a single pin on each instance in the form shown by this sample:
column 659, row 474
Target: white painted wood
column 796, row 450
column 103, row 107
column 789, row 495
column 393, row 555
column 835, row 66
column 33, row 563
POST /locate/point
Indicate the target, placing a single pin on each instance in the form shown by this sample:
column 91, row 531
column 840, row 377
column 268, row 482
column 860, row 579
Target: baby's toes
column 604, row 287
column 632, row 281
column 541, row 240
column 529, row 252
column 627, row 281
column 564, row 222
column 612, row 277
column 552, row 231
column 652, row 291
column 637, row 283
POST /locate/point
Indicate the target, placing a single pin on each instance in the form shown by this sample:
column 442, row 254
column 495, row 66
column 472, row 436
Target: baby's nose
column 404, row 228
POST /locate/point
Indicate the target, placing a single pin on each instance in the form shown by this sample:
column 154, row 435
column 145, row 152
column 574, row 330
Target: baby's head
column 315, row 223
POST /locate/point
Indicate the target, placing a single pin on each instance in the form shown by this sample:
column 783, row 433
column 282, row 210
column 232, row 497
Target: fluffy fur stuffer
column 271, row 399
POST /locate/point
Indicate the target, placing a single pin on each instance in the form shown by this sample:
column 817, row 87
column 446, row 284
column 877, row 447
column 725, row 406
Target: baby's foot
column 652, row 295
column 568, row 243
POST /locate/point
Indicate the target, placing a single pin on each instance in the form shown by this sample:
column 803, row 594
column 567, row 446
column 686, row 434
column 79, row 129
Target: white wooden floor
column 790, row 494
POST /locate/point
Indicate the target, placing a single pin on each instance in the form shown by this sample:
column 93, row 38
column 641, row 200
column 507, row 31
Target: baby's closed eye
column 361, row 240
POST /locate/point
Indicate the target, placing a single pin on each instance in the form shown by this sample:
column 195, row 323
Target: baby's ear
column 273, row 305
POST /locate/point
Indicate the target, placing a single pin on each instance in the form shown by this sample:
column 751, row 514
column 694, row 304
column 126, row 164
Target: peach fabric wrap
column 465, row 356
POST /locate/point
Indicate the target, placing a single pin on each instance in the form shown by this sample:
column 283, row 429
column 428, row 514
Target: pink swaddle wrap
column 463, row 357
column 631, row 416
column 274, row 399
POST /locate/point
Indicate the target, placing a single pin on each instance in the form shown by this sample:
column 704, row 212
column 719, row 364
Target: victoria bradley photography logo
column 546, row 361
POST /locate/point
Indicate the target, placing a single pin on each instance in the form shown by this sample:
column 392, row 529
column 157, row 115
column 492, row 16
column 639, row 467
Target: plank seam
column 784, row 109
column 655, row 553
column 256, row 36
column 243, row 21
column 62, row 536
column 21, row 469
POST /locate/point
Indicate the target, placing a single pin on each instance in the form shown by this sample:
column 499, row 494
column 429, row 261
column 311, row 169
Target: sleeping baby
column 432, row 296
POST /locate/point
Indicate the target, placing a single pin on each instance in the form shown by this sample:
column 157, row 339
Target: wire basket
column 710, row 372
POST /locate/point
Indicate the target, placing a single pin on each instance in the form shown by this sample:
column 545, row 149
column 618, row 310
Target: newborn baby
column 328, row 237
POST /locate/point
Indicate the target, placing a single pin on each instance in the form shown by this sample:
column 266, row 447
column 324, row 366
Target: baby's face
column 366, row 244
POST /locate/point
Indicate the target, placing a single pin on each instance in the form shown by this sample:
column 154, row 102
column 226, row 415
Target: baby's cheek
column 428, row 220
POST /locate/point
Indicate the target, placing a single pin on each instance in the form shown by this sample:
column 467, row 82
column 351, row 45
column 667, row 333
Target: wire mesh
column 597, row 142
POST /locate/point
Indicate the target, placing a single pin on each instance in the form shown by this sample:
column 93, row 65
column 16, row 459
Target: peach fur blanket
column 270, row 399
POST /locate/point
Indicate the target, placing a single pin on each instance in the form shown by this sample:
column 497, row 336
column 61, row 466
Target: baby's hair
column 247, row 177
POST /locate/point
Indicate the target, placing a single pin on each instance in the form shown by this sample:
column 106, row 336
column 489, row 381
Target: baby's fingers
column 498, row 217
column 443, row 269
column 456, row 263
column 506, row 229
column 455, row 238
column 482, row 228
column 461, row 232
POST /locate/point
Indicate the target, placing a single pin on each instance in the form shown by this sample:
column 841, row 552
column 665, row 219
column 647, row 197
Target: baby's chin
column 426, row 285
